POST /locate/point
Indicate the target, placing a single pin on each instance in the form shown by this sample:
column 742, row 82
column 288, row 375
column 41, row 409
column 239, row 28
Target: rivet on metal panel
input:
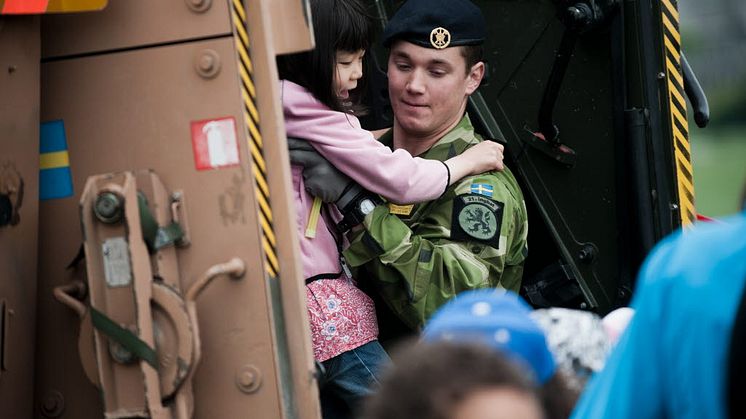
column 109, row 208
column 199, row 6
column 120, row 353
column 248, row 379
column 53, row 405
column 207, row 63
column 661, row 75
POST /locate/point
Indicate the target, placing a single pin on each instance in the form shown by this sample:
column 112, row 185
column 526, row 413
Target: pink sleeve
column 337, row 136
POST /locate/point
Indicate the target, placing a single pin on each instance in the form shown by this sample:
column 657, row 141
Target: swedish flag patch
column 482, row 189
column 55, row 179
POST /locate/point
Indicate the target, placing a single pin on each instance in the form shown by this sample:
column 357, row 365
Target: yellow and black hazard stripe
column 677, row 110
column 256, row 148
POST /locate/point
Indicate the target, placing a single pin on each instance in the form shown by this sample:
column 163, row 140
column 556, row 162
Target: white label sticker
column 117, row 267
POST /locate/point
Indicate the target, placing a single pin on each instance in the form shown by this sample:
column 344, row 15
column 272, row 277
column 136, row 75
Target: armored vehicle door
column 588, row 97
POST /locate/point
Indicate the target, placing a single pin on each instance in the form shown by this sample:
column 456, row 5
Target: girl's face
column 349, row 70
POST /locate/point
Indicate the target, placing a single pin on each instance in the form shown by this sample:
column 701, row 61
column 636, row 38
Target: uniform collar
column 446, row 147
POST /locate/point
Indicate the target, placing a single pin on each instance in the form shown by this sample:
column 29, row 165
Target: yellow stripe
column 687, row 165
column 675, row 72
column 270, row 252
column 255, row 134
column 250, row 105
column 258, row 159
column 685, row 220
column 682, row 120
column 674, row 12
column 253, row 111
column 244, row 55
column 244, row 76
column 259, row 176
column 313, row 218
column 685, row 162
column 251, row 121
column 680, row 140
column 672, row 49
column 683, row 140
column 677, row 95
column 265, row 206
column 54, row 160
column 686, row 180
column 241, row 30
column 238, row 8
column 271, row 272
column 247, row 81
column 675, row 33
column 686, row 205
column 267, row 229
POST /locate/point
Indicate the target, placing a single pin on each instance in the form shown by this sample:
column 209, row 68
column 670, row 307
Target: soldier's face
column 428, row 87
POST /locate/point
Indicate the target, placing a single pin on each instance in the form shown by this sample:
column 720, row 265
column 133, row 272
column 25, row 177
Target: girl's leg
column 353, row 375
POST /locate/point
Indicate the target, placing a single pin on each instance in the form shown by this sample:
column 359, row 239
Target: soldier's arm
column 417, row 271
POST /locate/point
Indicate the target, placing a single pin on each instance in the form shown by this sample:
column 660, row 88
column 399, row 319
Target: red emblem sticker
column 215, row 143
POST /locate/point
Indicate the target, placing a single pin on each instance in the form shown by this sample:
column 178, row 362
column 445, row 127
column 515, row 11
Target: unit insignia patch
column 476, row 217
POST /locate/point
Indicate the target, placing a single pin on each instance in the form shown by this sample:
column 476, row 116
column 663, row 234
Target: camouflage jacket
column 473, row 236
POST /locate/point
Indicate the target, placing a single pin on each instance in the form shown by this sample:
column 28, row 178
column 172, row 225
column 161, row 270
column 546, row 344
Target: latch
column 143, row 327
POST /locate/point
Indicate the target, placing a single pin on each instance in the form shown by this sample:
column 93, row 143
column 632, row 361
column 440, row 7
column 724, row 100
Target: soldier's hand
column 321, row 178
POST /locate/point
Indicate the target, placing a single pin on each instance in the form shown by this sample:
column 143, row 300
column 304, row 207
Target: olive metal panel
column 581, row 204
column 133, row 110
column 290, row 14
column 19, row 173
column 132, row 23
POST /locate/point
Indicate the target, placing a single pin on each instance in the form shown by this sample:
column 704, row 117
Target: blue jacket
column 672, row 360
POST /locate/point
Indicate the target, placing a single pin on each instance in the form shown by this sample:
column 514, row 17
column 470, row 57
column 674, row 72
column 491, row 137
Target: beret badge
column 440, row 38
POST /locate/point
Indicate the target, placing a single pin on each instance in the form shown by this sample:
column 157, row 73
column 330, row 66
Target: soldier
column 474, row 234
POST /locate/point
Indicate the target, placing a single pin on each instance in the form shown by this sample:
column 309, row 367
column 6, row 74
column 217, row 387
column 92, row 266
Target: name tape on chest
column 400, row 209
column 477, row 218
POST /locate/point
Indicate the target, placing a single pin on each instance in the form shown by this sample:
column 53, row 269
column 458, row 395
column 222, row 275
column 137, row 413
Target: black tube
column 551, row 91
column 695, row 94
column 640, row 174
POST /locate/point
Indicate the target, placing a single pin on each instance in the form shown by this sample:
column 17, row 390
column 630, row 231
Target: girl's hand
column 483, row 157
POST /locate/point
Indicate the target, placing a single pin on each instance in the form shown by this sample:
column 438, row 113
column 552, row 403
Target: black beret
column 437, row 24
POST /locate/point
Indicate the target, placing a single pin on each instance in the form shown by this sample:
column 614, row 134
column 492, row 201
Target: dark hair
column 338, row 25
column 558, row 397
column 472, row 54
column 430, row 380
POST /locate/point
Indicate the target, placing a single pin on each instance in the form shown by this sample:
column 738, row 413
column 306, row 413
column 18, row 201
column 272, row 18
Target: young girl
column 319, row 95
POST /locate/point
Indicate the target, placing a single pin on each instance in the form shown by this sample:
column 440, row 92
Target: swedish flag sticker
column 482, row 189
column 55, row 179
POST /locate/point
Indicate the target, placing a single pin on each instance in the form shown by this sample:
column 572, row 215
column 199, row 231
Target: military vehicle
column 147, row 245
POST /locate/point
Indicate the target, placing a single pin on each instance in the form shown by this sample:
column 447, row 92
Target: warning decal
column 214, row 143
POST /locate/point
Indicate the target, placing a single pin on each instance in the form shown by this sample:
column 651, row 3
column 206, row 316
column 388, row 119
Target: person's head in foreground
column 447, row 380
column 501, row 320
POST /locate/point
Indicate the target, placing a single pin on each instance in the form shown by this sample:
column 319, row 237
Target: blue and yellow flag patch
column 482, row 189
column 55, row 179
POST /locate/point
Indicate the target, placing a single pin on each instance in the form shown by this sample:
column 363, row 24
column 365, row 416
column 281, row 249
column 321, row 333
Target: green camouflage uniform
column 474, row 236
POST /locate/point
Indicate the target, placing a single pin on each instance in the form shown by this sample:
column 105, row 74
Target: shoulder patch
column 482, row 189
column 476, row 217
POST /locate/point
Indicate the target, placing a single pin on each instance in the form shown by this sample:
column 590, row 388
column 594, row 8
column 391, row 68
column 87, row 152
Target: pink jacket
column 343, row 317
column 337, row 136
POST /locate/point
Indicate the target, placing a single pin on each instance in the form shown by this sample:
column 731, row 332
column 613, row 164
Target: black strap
column 323, row 276
column 737, row 363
